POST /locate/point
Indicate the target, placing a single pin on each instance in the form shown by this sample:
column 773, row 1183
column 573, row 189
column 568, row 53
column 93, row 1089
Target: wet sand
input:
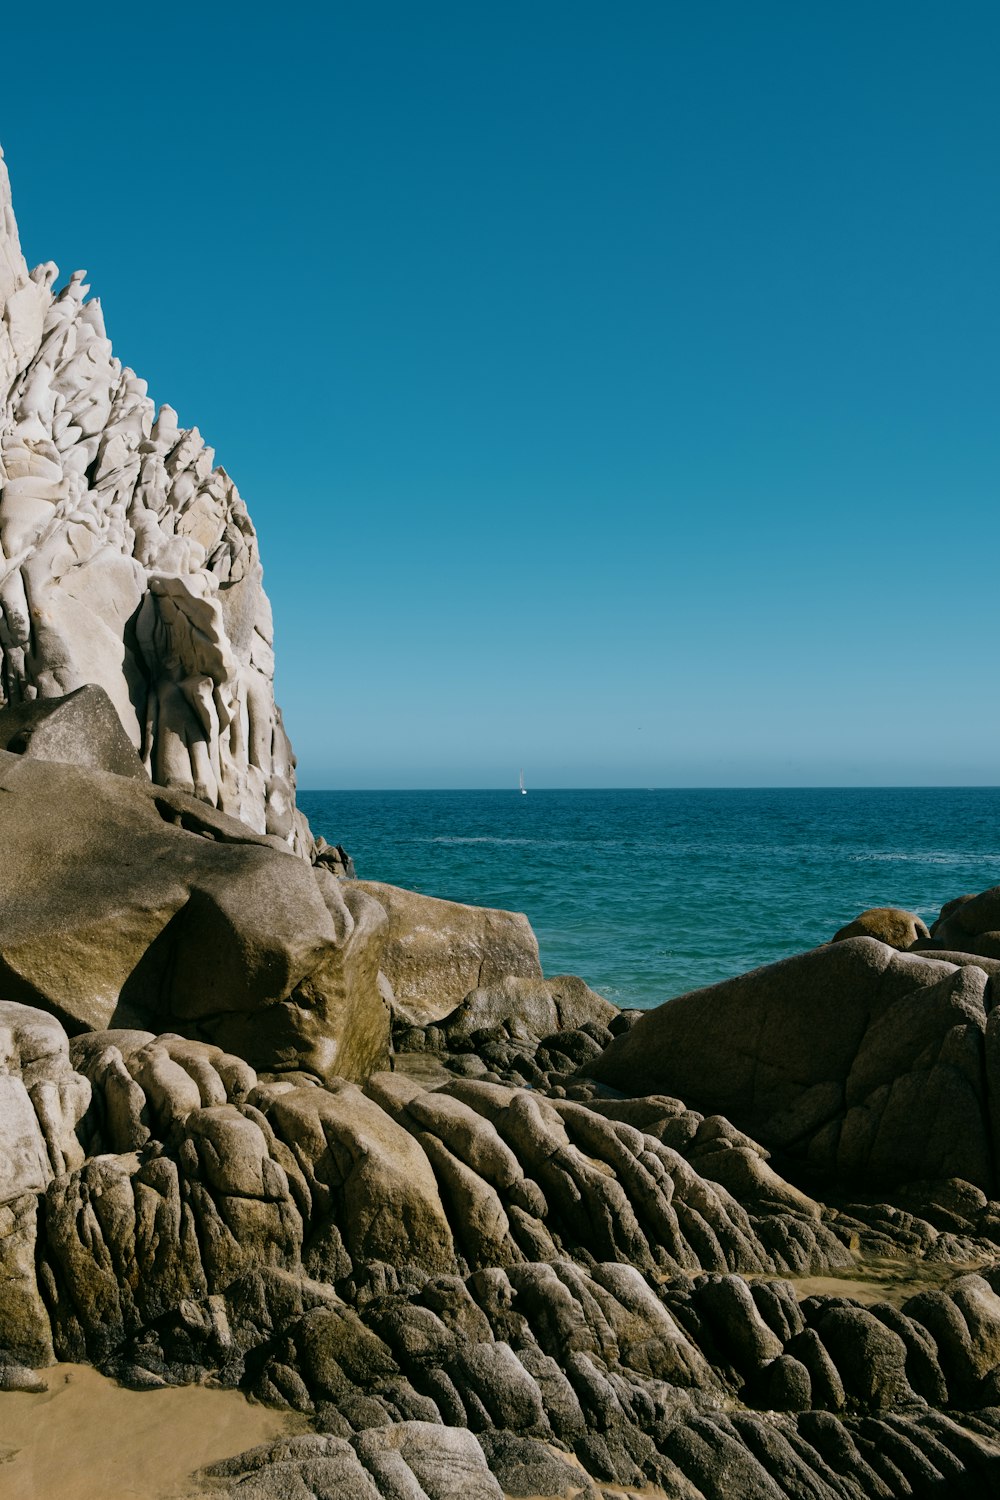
column 885, row 1281
column 893, row 1281
column 86, row 1438
column 647, row 1492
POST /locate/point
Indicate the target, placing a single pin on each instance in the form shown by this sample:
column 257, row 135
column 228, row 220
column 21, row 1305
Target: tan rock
column 437, row 952
column 971, row 924
column 864, row 1061
column 81, row 729
column 890, row 924
column 124, row 904
column 366, row 1170
column 540, row 1006
column 42, row 1100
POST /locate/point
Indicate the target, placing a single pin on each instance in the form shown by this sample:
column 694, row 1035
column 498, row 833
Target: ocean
column 647, row 894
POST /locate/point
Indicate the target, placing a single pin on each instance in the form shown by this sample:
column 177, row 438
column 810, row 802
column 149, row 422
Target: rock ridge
column 128, row 559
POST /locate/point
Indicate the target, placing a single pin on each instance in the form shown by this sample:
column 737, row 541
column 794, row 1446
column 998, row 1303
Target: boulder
column 890, row 924
column 437, row 952
column 366, row 1170
column 81, row 728
column 122, row 903
column 539, row 1006
column 406, row 1461
column 864, row 1062
column 333, row 857
column 971, row 924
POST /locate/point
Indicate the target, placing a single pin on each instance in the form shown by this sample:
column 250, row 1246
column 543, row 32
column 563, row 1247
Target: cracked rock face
column 486, row 1290
column 128, row 559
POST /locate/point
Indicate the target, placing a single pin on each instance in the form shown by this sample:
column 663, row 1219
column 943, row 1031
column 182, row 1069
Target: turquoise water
column 647, row 894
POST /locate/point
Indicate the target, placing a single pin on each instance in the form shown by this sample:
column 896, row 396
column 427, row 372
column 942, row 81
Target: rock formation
column 125, row 903
column 971, row 924
column 859, row 1062
column 436, row 952
column 472, row 1288
column 890, row 924
column 127, row 559
column 348, row 1149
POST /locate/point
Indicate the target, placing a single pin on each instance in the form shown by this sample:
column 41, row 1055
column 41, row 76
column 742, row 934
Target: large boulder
column 122, row 903
column 437, row 952
column 82, row 729
column 866, row 1063
column 971, row 924
column 540, row 1006
column 890, row 924
column 367, row 1171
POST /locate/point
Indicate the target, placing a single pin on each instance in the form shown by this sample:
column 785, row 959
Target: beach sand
column 86, row 1438
column 883, row 1281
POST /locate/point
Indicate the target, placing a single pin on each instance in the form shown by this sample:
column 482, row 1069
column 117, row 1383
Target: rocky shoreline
column 347, row 1150
column 481, row 1270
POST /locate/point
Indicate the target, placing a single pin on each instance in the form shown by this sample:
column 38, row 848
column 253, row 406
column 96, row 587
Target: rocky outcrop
column 41, row 1101
column 346, row 1148
column 971, row 924
column 437, row 952
column 127, row 559
column 124, row 903
column 532, row 1007
column 460, row 1279
column 865, row 1064
column 481, row 1286
column 80, row 729
column 410, row 1460
column 890, row 924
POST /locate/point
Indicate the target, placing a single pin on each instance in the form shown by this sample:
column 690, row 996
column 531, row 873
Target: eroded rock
column 865, row 1063
column 128, row 559
column 438, row 952
column 122, row 903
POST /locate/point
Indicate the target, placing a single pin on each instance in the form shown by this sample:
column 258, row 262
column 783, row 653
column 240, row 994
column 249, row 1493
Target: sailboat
column 524, row 789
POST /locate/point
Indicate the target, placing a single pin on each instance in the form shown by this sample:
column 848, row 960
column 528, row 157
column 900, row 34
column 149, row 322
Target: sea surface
column 647, row 894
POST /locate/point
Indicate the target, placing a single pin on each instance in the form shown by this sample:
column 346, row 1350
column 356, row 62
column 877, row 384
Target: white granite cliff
column 128, row 559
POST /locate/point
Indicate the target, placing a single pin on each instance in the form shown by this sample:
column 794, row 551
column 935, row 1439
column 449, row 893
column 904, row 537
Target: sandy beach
column 86, row 1438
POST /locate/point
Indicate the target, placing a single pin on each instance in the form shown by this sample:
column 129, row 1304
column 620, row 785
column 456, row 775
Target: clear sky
column 613, row 385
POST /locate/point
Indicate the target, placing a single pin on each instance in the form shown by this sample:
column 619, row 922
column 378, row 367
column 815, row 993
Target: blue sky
column 613, row 386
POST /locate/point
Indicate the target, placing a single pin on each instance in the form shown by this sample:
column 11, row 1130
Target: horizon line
column 874, row 786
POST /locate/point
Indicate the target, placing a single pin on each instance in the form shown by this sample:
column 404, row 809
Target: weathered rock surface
column 536, row 1007
column 890, row 924
column 971, row 924
column 475, row 1288
column 437, row 952
column 79, row 729
column 41, row 1101
column 123, row 903
column 408, row 1461
column 127, row 559
column 541, row 1248
column 866, row 1064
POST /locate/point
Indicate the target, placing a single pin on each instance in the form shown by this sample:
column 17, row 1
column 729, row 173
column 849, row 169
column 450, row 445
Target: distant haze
column 613, row 387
